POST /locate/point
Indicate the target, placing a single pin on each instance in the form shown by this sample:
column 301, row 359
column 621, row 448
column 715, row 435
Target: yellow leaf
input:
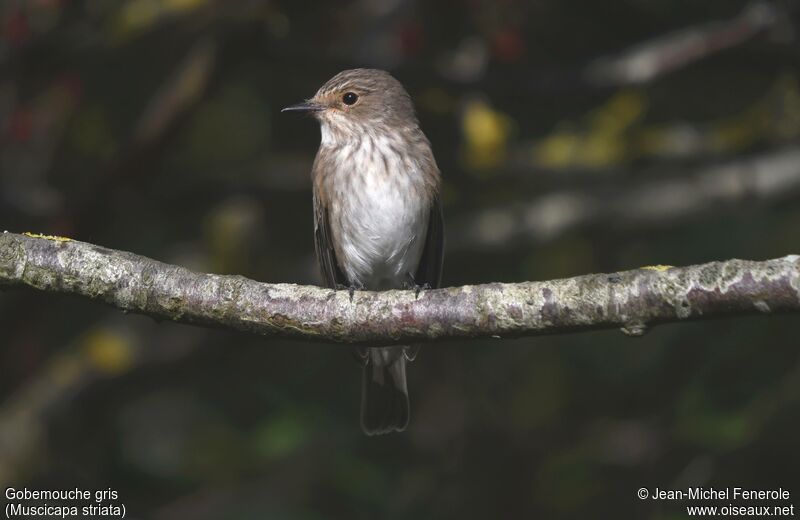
column 486, row 132
column 108, row 351
column 557, row 150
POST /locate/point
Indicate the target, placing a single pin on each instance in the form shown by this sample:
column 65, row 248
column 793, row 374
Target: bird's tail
column 384, row 394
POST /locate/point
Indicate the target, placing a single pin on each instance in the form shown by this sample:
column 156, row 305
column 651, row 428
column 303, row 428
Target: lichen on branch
column 630, row 300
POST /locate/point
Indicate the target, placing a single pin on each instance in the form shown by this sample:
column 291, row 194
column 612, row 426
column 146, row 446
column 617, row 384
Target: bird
column 378, row 222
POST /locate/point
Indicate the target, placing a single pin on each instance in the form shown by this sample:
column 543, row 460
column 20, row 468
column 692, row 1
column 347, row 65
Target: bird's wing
column 326, row 256
column 429, row 270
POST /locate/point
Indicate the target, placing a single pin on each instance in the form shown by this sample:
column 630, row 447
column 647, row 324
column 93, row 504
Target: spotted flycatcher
column 377, row 214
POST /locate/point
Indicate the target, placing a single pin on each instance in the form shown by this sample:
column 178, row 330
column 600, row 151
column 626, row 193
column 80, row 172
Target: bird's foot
column 410, row 283
column 351, row 289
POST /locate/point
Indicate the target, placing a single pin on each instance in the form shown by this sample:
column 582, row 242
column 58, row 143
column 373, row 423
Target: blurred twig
column 178, row 95
column 630, row 300
column 771, row 176
column 651, row 59
column 111, row 348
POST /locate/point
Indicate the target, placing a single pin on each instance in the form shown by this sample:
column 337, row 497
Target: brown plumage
column 377, row 213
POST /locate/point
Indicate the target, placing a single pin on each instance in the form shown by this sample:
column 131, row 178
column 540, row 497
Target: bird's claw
column 413, row 285
column 351, row 289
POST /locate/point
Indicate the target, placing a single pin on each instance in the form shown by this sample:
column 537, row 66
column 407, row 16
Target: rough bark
column 629, row 300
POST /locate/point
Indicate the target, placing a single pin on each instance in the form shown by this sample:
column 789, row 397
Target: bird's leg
column 410, row 283
column 351, row 289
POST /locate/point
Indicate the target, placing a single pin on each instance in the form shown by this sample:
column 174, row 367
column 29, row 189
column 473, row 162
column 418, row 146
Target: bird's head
column 357, row 101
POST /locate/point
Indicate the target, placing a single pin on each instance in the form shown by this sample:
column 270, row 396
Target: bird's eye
column 350, row 98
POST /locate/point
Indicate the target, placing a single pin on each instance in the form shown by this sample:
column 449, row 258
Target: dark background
column 154, row 127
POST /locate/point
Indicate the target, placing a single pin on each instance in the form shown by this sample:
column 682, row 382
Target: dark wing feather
column 326, row 256
column 429, row 270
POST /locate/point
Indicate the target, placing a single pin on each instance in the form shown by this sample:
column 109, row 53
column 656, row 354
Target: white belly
column 382, row 220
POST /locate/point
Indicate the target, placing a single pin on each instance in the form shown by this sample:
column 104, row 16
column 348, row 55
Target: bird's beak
column 307, row 106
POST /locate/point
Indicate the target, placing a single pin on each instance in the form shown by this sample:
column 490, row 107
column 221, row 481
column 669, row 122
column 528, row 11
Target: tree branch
column 651, row 59
column 629, row 300
column 769, row 177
